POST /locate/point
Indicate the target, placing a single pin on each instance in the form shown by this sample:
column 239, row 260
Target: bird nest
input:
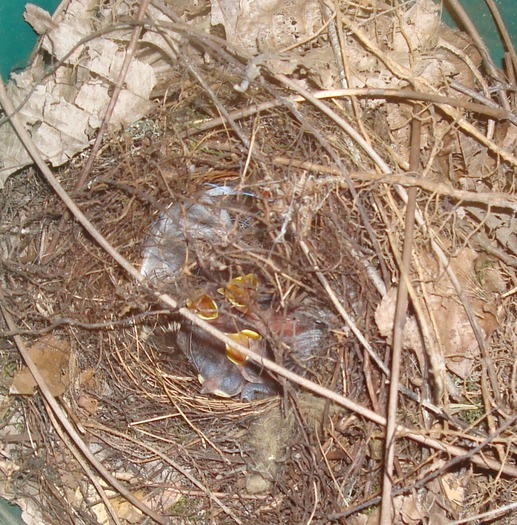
column 389, row 213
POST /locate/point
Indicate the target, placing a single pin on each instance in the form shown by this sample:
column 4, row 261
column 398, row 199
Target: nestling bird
column 218, row 374
column 180, row 229
column 181, row 233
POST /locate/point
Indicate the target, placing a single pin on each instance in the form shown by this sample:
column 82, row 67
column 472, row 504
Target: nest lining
column 139, row 399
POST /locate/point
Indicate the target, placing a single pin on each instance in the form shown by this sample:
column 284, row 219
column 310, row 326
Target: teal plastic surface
column 17, row 39
column 10, row 514
column 482, row 19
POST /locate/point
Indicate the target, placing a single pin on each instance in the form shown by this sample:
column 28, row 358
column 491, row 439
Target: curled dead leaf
column 51, row 355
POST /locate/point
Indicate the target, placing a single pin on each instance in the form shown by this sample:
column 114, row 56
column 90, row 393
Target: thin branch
column 489, row 515
column 345, row 173
column 406, row 180
column 72, row 447
column 429, row 477
column 68, row 321
column 491, row 109
column 399, row 323
column 501, row 26
column 135, row 35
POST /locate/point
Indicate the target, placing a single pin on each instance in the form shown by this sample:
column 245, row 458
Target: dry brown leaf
column 321, row 67
column 453, row 489
column 51, row 355
column 418, row 29
column 87, row 376
column 384, row 317
column 253, row 29
column 409, row 510
column 65, row 108
column 123, row 509
column 475, row 157
column 455, row 333
column 89, row 403
column 454, row 330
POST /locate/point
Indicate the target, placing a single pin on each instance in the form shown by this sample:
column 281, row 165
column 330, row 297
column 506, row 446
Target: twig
column 220, row 107
column 480, row 78
column 67, row 321
column 342, row 123
column 330, row 15
column 197, row 430
column 501, row 26
column 359, row 139
column 407, row 180
column 135, row 35
column 491, row 110
column 491, row 515
column 72, row 447
column 399, row 323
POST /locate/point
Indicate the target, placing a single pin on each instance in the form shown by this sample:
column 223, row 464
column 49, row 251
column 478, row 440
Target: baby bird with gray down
column 181, row 233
